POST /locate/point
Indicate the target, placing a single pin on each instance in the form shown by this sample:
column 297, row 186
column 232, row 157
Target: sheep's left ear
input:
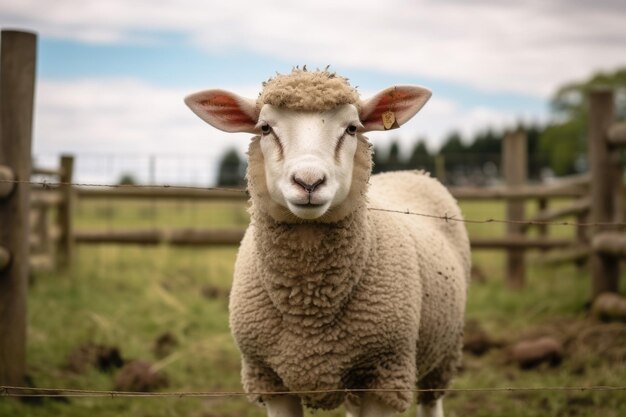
column 392, row 107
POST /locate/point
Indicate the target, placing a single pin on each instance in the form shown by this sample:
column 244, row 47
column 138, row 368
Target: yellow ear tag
column 389, row 118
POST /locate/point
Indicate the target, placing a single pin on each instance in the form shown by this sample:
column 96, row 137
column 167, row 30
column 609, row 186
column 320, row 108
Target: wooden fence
column 62, row 199
column 53, row 241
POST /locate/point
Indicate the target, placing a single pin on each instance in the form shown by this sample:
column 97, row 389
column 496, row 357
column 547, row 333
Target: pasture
column 129, row 297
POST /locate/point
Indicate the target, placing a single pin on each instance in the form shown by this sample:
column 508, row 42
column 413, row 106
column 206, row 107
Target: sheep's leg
column 433, row 384
column 353, row 408
column 373, row 407
column 283, row 406
column 431, row 410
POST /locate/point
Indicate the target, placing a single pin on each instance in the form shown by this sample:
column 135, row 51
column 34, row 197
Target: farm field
column 168, row 306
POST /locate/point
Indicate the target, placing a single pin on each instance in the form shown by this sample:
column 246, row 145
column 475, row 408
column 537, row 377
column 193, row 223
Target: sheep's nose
column 308, row 185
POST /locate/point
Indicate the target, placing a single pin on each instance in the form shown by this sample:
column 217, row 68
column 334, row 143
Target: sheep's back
column 417, row 192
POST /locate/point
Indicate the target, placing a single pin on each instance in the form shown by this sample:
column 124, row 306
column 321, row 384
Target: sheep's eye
column 266, row 129
column 351, row 130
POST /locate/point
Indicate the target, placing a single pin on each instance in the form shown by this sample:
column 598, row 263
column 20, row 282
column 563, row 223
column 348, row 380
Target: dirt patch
column 165, row 345
column 103, row 357
column 35, row 396
column 528, row 354
column 607, row 340
column 212, row 292
column 585, row 338
column 609, row 307
column 579, row 340
column 478, row 275
column 140, row 376
column 476, row 340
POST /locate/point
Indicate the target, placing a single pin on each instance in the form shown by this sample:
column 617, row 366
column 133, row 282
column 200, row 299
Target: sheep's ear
column 224, row 110
column 392, row 107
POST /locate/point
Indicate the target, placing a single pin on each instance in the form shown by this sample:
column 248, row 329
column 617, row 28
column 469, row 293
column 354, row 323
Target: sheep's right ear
column 224, row 110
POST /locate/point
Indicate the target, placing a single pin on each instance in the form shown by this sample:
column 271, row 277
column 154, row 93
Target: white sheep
column 328, row 294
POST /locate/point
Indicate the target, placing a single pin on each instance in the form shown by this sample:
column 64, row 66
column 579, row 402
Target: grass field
column 128, row 296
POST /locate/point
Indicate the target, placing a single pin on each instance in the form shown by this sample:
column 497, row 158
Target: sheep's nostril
column 309, row 187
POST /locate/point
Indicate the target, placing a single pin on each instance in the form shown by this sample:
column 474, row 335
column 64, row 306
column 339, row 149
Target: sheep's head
column 309, row 126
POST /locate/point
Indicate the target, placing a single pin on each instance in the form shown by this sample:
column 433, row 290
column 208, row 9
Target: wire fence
column 17, row 391
column 46, row 185
column 31, row 392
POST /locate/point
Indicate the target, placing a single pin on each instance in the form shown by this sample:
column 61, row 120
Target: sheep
column 332, row 293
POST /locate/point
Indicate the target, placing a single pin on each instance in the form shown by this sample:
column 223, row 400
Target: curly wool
column 304, row 90
column 367, row 299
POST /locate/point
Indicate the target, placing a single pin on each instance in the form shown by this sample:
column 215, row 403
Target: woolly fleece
column 304, row 90
column 357, row 299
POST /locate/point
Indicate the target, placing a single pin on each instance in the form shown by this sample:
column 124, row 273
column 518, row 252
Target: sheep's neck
column 310, row 270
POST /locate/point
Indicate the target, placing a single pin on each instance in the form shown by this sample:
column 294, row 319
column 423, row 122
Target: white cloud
column 114, row 126
column 528, row 47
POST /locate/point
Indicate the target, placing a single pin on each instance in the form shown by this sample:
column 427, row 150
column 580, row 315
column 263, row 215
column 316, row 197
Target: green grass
column 126, row 296
column 98, row 214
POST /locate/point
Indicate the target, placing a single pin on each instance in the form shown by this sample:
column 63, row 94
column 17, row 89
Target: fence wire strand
column 46, row 185
column 7, row 391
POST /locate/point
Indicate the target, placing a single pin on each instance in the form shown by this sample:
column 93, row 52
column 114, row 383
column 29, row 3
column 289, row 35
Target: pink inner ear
column 396, row 100
column 226, row 108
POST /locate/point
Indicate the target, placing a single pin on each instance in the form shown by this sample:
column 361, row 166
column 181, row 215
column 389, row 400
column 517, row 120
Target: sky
column 112, row 75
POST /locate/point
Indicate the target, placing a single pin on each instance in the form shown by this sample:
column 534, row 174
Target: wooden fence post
column 17, row 85
column 515, row 170
column 65, row 211
column 542, row 205
column 604, row 269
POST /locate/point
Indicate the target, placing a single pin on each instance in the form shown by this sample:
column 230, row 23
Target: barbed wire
column 7, row 391
column 46, row 185
column 492, row 220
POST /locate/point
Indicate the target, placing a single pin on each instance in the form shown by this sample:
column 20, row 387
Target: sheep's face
column 308, row 157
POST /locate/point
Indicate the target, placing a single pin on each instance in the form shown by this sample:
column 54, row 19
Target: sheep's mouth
column 308, row 210
column 308, row 205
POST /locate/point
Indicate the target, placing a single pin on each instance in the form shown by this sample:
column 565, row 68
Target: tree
column 231, row 171
column 394, row 163
column 564, row 140
column 486, row 143
column 420, row 157
column 127, row 179
column 389, row 162
column 379, row 162
column 453, row 145
column 563, row 144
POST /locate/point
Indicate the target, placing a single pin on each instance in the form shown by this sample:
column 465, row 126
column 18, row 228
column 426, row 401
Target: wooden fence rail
column 183, row 237
column 160, row 193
